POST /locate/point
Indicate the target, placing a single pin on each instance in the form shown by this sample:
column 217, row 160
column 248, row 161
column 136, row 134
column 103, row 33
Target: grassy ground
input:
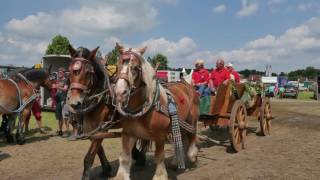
column 305, row 95
column 49, row 122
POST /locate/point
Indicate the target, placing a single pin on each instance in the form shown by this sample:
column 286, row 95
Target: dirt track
column 291, row 152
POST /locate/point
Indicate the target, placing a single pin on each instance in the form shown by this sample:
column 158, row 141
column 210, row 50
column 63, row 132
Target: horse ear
column 49, row 70
column 93, row 53
column 72, row 51
column 121, row 48
column 142, row 50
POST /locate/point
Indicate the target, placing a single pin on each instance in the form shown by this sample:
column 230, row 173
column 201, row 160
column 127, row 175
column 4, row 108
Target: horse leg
column 161, row 172
column 106, row 167
column 20, row 134
column 6, row 126
column 138, row 156
column 192, row 148
column 88, row 160
column 125, row 157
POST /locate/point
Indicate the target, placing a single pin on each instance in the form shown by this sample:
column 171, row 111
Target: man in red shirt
column 219, row 75
column 234, row 75
column 200, row 78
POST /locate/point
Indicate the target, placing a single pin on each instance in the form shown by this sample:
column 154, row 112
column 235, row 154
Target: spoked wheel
column 265, row 117
column 238, row 126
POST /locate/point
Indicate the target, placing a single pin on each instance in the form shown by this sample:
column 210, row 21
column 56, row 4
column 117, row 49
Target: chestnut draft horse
column 17, row 95
column 90, row 99
column 136, row 95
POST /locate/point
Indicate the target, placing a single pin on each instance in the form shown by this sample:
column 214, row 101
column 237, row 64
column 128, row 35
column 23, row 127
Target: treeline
column 309, row 73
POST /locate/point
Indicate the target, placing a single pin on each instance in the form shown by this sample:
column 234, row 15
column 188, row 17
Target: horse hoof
column 140, row 159
column 85, row 178
column 160, row 177
column 20, row 139
column 106, row 173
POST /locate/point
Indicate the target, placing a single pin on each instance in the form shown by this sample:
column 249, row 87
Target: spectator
column 234, row 75
column 36, row 111
column 62, row 88
column 219, row 75
column 200, row 78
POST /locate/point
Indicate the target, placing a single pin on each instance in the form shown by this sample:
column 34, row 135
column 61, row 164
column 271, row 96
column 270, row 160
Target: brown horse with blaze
column 90, row 101
column 136, row 95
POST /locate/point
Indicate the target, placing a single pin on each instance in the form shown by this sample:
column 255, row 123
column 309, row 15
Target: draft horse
column 17, row 94
column 136, row 96
column 90, row 99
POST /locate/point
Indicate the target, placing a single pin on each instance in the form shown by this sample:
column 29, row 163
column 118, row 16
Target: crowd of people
column 207, row 83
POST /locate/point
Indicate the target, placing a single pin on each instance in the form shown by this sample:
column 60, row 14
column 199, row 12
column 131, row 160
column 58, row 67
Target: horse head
column 131, row 70
column 82, row 74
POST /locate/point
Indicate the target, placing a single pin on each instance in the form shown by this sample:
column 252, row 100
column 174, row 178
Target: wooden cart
column 227, row 108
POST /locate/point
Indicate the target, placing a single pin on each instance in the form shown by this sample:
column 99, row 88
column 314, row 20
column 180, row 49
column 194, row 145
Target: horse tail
column 144, row 145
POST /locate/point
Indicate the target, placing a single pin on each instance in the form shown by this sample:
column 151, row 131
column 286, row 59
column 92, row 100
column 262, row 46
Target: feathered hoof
column 160, row 177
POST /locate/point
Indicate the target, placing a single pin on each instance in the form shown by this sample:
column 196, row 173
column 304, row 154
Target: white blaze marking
column 122, row 85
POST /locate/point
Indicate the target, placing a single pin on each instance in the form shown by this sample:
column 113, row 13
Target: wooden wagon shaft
column 102, row 135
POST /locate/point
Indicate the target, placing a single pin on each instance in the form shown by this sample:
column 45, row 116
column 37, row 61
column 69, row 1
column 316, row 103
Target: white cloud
column 247, row 8
column 297, row 47
column 91, row 21
column 220, row 8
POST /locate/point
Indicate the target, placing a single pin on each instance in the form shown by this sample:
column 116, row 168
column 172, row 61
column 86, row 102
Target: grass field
column 306, row 95
column 48, row 120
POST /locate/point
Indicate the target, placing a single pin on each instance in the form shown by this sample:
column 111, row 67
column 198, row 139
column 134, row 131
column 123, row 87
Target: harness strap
column 176, row 132
column 78, row 86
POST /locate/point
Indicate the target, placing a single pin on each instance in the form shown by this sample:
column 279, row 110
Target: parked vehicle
column 291, row 91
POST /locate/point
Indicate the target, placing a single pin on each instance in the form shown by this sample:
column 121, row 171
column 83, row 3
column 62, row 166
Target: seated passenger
column 219, row 75
column 200, row 77
column 234, row 75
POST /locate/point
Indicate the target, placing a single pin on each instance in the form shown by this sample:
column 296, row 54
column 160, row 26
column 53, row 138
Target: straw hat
column 199, row 61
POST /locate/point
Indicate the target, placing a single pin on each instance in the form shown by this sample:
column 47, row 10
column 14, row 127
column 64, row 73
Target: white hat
column 199, row 61
column 229, row 65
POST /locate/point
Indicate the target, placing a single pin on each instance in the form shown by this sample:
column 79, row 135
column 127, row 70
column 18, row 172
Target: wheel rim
column 238, row 130
column 268, row 118
column 265, row 119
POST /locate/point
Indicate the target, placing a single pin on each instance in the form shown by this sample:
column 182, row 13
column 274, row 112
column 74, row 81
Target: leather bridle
column 82, row 63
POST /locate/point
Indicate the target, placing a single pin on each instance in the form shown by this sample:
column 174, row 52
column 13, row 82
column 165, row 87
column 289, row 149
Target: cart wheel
column 265, row 117
column 238, row 126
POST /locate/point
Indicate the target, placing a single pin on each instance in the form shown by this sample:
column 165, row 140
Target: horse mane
column 30, row 73
column 148, row 76
column 100, row 72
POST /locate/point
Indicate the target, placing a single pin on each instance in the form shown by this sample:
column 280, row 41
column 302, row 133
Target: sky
column 248, row 33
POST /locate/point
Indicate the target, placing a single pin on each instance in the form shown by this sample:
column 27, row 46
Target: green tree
column 59, row 45
column 113, row 56
column 161, row 59
column 310, row 73
column 247, row 72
